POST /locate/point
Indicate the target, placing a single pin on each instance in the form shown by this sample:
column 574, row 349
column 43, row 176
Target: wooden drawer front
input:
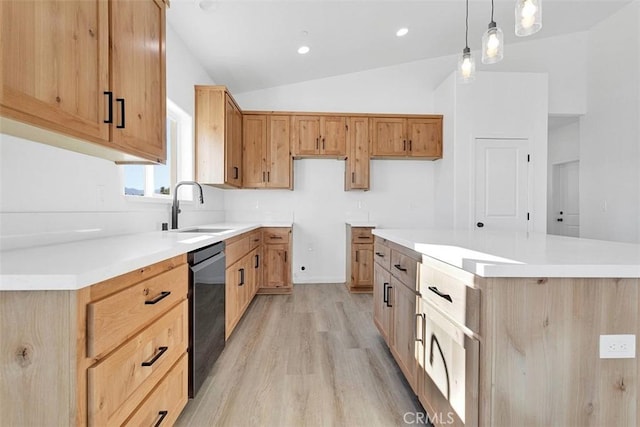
column 361, row 235
column 163, row 406
column 276, row 235
column 451, row 294
column 255, row 239
column 237, row 249
column 404, row 268
column 382, row 255
column 114, row 319
column 118, row 383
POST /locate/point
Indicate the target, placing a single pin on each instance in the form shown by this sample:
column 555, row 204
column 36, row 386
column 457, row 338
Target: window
column 157, row 181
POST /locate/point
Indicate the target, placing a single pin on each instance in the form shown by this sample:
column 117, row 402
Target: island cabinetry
column 49, row 377
column 395, row 299
column 277, row 261
column 359, row 259
column 89, row 75
column 218, row 138
column 319, row 136
column 266, row 154
column 243, row 272
column 413, row 137
column 357, row 163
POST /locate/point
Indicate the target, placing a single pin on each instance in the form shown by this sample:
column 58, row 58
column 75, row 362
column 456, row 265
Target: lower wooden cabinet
column 48, row 377
column 277, row 261
column 359, row 259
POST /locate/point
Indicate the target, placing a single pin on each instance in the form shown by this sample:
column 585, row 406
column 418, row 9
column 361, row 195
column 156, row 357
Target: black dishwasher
column 206, row 311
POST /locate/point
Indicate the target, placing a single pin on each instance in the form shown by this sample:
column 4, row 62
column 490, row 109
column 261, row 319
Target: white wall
column 610, row 135
column 52, row 195
column 495, row 105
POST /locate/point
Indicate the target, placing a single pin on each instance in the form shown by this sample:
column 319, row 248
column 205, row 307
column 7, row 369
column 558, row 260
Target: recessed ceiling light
column 303, row 49
column 402, row 32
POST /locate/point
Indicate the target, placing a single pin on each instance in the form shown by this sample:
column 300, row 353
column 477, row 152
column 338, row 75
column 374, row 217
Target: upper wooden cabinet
column 266, row 155
column 92, row 70
column 419, row 137
column 218, row 138
column 319, row 136
column 357, row 165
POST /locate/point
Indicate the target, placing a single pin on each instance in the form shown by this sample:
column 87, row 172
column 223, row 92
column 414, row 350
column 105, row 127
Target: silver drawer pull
column 440, row 294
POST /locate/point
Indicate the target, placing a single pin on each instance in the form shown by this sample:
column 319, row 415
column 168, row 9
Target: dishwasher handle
column 206, row 263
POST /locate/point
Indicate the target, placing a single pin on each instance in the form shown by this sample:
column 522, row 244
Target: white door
column 501, row 184
column 565, row 215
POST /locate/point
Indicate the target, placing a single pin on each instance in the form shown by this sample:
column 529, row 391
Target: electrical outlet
column 617, row 346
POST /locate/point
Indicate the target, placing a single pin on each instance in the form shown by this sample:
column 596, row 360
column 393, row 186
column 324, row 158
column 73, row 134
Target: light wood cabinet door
column 137, row 32
column 389, row 137
column 362, row 267
column 425, row 138
column 333, row 136
column 255, row 150
column 404, row 332
column 55, row 65
column 381, row 305
column 277, row 266
column 357, row 166
column 305, row 139
column 233, row 139
column 279, row 163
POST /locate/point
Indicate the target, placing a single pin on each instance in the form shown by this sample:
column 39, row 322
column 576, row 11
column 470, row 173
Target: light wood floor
column 313, row 358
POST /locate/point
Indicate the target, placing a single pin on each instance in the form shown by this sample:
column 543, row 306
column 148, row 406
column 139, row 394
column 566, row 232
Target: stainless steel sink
column 206, row 230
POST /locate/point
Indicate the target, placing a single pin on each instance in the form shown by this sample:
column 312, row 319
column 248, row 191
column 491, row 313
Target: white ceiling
column 249, row 45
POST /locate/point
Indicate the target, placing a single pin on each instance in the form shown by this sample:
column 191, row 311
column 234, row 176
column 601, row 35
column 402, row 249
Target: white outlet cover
column 617, row 346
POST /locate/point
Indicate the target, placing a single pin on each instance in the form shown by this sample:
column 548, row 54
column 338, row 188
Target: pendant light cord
column 491, row 10
column 466, row 31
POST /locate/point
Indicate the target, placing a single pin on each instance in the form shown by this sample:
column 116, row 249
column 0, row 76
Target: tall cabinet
column 359, row 258
column 92, row 70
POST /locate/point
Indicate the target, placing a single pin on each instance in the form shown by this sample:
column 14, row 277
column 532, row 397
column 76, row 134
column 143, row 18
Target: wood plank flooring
column 313, row 358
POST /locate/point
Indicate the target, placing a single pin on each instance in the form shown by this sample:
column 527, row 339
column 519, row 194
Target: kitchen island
column 503, row 329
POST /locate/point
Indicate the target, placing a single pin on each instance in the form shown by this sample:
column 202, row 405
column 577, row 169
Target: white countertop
column 362, row 224
column 75, row 265
column 489, row 253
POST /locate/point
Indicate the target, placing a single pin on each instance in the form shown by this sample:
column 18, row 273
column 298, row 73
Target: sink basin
column 206, row 230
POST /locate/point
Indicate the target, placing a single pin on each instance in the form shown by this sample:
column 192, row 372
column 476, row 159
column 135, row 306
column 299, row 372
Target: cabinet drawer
column 276, row 235
column 361, row 235
column 404, row 268
column 164, row 404
column 449, row 289
column 382, row 255
column 255, row 239
column 118, row 383
column 116, row 318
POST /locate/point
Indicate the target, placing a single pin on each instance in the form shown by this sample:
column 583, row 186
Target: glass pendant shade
column 466, row 67
column 528, row 17
column 492, row 45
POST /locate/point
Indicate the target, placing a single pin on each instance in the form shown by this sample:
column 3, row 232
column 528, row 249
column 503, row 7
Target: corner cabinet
column 277, row 261
column 318, row 136
column 266, row 154
column 86, row 75
column 408, row 137
column 218, row 138
column 114, row 353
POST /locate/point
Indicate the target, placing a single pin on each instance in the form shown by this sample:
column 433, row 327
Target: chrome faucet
column 175, row 207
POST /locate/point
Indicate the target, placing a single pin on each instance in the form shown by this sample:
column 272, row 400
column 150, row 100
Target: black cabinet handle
column 404, row 145
column 385, row 294
column 156, row 356
column 380, row 254
column 236, row 172
column 268, row 176
column 317, row 143
column 389, row 302
column 110, row 108
column 409, row 145
column 276, row 237
column 357, row 256
column 257, row 264
column 241, row 277
column 263, row 177
column 353, row 177
column 122, row 122
column 285, row 256
column 440, row 294
column 323, row 143
column 159, row 298
column 399, row 267
column 364, row 237
column 162, row 414
column 480, row 225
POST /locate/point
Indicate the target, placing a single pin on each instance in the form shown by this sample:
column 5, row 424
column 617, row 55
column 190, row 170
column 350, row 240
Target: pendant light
column 492, row 43
column 528, row 17
column 466, row 64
